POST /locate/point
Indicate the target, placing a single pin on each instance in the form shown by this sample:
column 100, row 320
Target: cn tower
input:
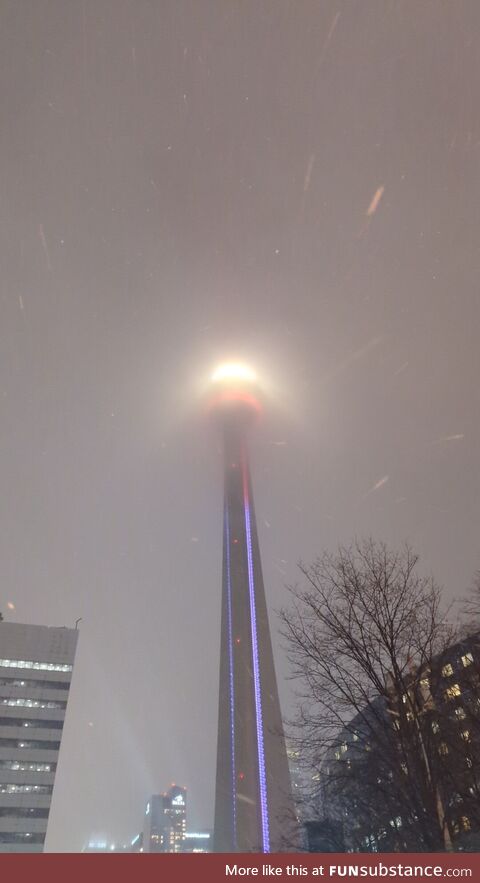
column 254, row 809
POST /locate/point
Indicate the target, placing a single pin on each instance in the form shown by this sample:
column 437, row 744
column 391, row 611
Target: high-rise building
column 254, row 810
column 165, row 821
column 36, row 664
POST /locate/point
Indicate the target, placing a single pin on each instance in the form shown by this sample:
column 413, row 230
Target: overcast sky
column 295, row 183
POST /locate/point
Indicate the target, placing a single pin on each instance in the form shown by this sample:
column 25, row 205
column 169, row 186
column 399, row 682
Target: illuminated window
column 38, row 666
column 467, row 660
column 465, row 822
column 409, row 715
column 435, row 727
column 453, row 691
column 27, row 767
column 425, row 683
column 26, row 789
column 337, row 755
column 33, row 703
column 443, row 748
column 460, row 713
column 466, row 735
column 447, row 670
column 344, row 747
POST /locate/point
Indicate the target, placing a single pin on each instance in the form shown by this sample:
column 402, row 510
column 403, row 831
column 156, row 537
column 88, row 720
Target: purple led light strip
column 231, row 680
column 256, row 667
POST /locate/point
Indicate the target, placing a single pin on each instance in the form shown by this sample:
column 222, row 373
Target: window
column 466, row 735
column 34, row 682
column 467, row 660
column 447, row 670
column 39, row 724
column 27, row 767
column 465, row 823
column 344, row 747
column 460, row 713
column 19, row 812
column 435, row 727
column 33, row 703
column 10, row 837
column 15, row 743
column 443, row 748
column 39, row 666
column 453, row 691
column 26, row 789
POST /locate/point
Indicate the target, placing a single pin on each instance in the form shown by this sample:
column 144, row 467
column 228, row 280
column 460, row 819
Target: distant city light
column 234, row 371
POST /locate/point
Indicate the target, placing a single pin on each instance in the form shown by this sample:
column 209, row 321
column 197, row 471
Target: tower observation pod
column 254, row 810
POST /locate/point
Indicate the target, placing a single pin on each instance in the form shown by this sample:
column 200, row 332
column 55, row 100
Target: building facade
column 36, row 665
column 165, row 821
column 254, row 810
column 404, row 775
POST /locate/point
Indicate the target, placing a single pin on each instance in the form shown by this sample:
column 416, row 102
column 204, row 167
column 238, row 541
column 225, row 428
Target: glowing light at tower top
column 234, row 372
column 234, row 392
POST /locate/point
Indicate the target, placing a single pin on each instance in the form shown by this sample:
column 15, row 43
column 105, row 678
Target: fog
column 294, row 184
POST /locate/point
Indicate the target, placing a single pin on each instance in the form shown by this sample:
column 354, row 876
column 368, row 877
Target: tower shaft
column 253, row 801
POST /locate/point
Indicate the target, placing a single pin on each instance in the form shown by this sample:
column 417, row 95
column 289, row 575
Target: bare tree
column 471, row 607
column 363, row 632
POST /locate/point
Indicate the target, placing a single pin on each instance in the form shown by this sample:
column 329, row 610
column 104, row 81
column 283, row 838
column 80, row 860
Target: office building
column 165, row 821
column 404, row 774
column 36, row 664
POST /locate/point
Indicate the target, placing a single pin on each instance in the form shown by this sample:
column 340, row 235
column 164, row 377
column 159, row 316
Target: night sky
column 295, row 184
